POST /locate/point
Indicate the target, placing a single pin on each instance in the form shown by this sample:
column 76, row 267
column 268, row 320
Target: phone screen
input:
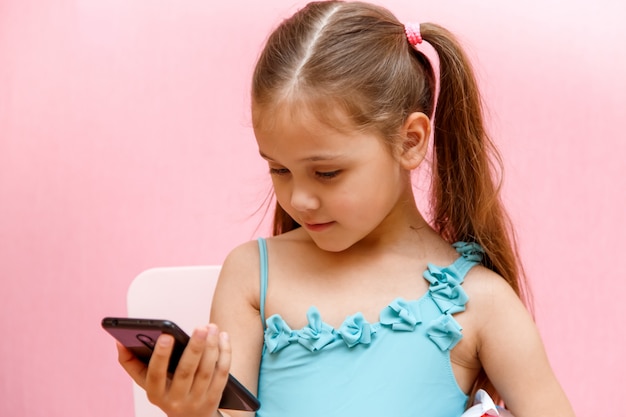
column 140, row 335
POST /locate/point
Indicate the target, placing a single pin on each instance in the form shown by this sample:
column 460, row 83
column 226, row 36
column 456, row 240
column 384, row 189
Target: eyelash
column 327, row 175
column 321, row 175
column 279, row 171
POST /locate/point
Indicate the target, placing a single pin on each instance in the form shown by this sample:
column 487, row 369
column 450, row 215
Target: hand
column 201, row 375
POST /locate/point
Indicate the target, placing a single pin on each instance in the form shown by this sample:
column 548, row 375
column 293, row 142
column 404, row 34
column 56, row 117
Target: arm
column 196, row 387
column 512, row 354
column 235, row 309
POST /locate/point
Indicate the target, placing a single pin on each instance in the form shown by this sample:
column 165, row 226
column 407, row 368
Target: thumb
column 133, row 366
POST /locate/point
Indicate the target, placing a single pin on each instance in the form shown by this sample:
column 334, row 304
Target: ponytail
column 465, row 204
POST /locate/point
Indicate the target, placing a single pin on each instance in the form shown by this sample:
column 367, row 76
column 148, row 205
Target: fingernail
column 200, row 333
column 165, row 340
column 224, row 336
column 212, row 329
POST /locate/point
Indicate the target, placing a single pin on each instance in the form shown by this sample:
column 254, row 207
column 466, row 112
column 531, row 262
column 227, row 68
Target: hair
column 356, row 56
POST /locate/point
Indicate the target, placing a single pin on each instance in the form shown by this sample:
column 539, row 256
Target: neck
column 404, row 224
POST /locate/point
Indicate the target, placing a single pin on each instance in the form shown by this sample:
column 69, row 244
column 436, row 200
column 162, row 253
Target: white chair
column 179, row 294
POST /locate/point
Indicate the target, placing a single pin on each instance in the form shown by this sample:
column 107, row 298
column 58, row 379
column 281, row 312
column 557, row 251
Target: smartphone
column 140, row 335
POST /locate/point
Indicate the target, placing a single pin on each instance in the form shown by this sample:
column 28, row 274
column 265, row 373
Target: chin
column 332, row 245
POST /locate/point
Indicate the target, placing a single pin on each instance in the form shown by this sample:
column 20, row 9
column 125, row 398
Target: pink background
column 125, row 143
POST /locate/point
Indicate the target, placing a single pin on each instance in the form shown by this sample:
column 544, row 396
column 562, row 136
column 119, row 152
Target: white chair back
column 179, row 294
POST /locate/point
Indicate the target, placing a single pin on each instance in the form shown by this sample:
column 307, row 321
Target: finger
column 222, row 367
column 133, row 366
column 156, row 376
column 188, row 365
column 206, row 367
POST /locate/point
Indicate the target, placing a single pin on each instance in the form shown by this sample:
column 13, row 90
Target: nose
column 303, row 199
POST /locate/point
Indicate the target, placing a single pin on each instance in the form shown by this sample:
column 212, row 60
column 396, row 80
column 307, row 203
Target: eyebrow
column 315, row 158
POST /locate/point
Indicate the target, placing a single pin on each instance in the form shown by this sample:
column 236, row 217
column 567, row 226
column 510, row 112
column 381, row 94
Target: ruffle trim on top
column 401, row 315
column 317, row 334
column 449, row 296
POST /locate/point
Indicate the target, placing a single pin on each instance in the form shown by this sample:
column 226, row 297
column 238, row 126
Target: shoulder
column 510, row 348
column 493, row 304
column 487, row 288
column 241, row 267
column 248, row 253
column 242, row 257
column 501, row 321
column 239, row 275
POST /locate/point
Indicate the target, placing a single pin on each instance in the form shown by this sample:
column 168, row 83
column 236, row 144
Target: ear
column 415, row 133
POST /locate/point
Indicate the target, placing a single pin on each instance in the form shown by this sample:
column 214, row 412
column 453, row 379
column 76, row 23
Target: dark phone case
column 140, row 335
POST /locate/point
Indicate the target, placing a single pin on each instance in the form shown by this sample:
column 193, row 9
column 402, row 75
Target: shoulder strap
column 471, row 255
column 263, row 275
column 463, row 266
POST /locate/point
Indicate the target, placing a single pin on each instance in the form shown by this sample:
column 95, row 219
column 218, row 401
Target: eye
column 327, row 175
column 279, row 171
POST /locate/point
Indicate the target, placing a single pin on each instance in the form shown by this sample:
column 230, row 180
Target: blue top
column 398, row 366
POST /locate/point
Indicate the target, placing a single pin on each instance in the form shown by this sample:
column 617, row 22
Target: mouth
column 318, row 227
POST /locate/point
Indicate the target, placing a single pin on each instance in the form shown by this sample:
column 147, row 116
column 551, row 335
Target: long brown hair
column 355, row 55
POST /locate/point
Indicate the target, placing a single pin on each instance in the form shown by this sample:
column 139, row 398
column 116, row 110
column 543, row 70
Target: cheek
column 343, row 201
column 378, row 193
column 355, row 202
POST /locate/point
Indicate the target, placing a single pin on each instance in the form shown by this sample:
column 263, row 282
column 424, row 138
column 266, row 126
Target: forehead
column 296, row 131
column 324, row 114
column 292, row 130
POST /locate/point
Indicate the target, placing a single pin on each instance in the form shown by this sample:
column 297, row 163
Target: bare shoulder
column 242, row 258
column 239, row 279
column 239, row 276
column 493, row 308
column 242, row 264
column 510, row 348
column 488, row 289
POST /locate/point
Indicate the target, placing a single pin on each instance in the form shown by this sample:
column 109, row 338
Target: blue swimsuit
column 398, row 366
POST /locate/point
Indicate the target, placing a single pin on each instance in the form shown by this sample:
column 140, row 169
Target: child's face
column 341, row 187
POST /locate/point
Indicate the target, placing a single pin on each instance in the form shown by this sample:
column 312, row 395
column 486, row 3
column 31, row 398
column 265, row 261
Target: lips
column 318, row 227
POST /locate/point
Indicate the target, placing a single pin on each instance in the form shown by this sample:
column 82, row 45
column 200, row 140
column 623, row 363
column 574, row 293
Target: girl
column 359, row 305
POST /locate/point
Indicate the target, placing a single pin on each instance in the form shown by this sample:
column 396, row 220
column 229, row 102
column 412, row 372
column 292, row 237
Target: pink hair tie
column 413, row 34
